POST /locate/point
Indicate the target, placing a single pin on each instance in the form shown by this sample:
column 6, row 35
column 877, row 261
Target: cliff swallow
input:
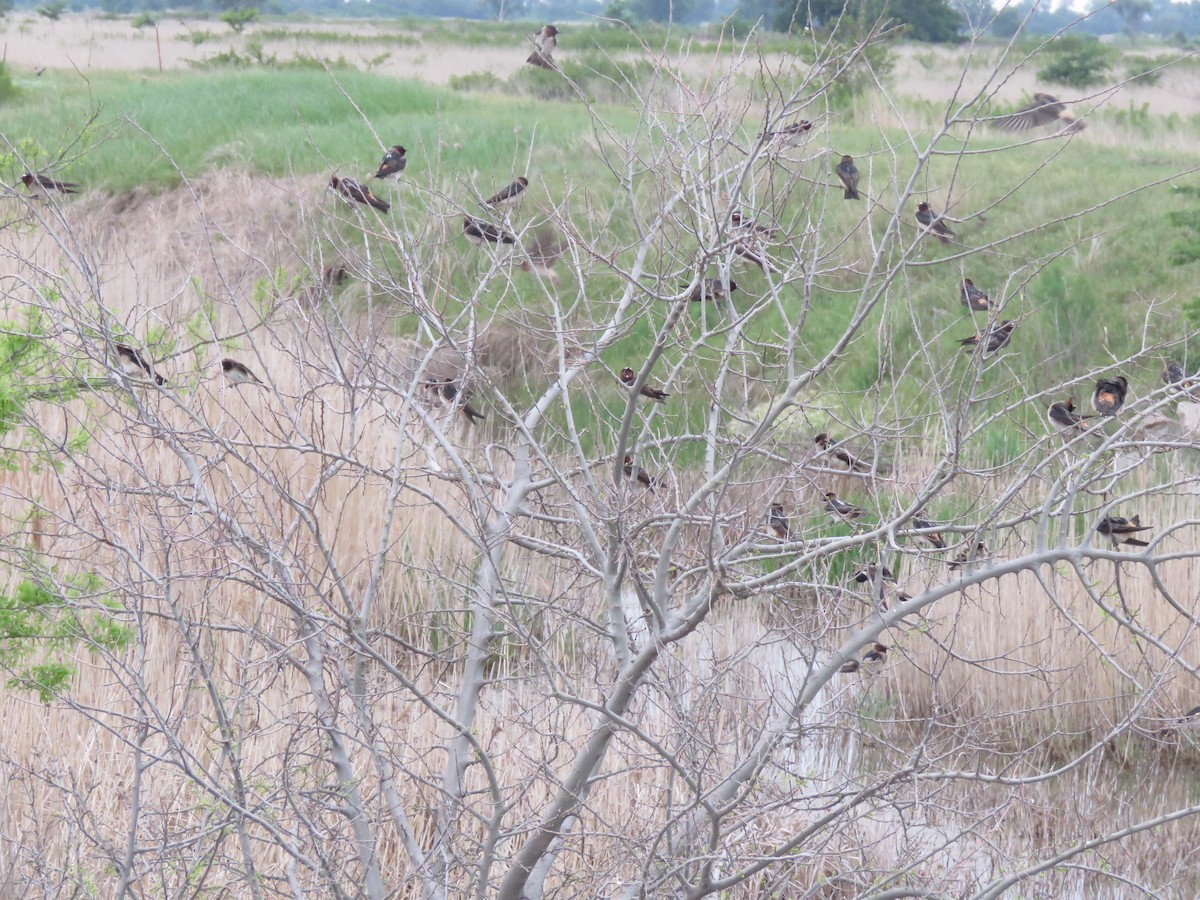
column 972, row 297
column 134, row 364
column 1063, row 417
column 710, row 289
column 237, row 373
column 643, row 477
column 393, row 162
column 969, row 556
column 1045, row 109
column 628, row 377
column 44, row 184
column 992, row 338
column 848, row 173
column 334, row 275
column 881, row 576
column 778, row 522
column 933, row 223
column 449, row 390
column 1174, row 376
column 791, row 133
column 510, row 194
column 872, row 661
column 544, row 43
column 934, row 538
column 1119, row 530
column 479, row 232
column 839, row 509
column 541, row 253
column 834, row 449
column 355, row 190
column 750, row 241
column 1109, row 396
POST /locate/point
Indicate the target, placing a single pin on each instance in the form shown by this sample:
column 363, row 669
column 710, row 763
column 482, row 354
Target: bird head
column 627, row 375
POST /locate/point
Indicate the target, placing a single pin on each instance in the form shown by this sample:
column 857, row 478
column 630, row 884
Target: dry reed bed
column 1020, row 673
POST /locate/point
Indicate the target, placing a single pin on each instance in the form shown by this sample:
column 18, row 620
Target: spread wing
column 544, row 247
column 1044, row 110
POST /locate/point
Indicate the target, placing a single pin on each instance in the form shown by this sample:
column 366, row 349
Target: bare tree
column 596, row 645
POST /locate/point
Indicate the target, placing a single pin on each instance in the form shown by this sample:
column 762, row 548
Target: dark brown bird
column 510, row 194
column 1173, row 376
column 643, row 477
column 479, row 232
column 839, row 509
column 871, row 663
column 545, row 41
column 237, row 373
column 393, row 162
column 1120, row 530
column 355, row 190
column 334, row 275
column 881, row 576
column 933, row 222
column 848, row 173
column 134, row 364
column 790, row 133
column 1109, row 396
column 751, row 240
column 1045, row 109
column 710, row 289
column 628, row 377
column 969, row 557
column 992, row 338
column 45, row 184
column 934, row 538
column 838, row 452
column 448, row 389
column 778, row 522
column 972, row 297
column 1063, row 418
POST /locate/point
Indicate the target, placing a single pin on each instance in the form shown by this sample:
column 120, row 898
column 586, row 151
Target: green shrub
column 237, row 19
column 145, row 20
column 474, row 81
column 54, row 9
column 1078, row 61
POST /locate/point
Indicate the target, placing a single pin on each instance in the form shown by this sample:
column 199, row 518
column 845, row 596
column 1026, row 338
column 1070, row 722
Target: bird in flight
column 542, row 252
column 480, row 232
column 43, row 184
column 393, row 162
column 871, row 662
column 510, row 194
column 848, row 173
column 1046, row 109
column 972, row 297
column 238, row 373
column 544, row 43
column 134, row 364
column 1109, row 396
column 355, row 190
column 1121, row 530
column 992, row 338
column 933, row 223
column 628, row 377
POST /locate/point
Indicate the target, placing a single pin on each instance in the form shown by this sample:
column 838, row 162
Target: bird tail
column 381, row 205
column 539, row 59
column 851, row 194
column 851, row 666
column 1136, row 543
column 473, row 415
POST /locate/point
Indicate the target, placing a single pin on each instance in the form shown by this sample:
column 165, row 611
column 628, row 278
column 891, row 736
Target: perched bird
column 448, row 389
column 935, row 538
column 790, row 133
column 1109, row 396
column 134, row 364
column 510, row 194
column 881, row 576
column 835, row 449
column 710, row 289
column 544, row 43
column 933, row 222
column 393, row 162
column 972, row 297
column 1120, row 530
column 643, row 477
column 1174, row 376
column 848, row 173
column 237, row 373
column 992, row 338
column 872, row 661
column 839, row 509
column 355, row 190
column 480, row 232
column 778, row 522
column 43, row 184
column 750, row 240
column 628, row 377
column 1044, row 110
column 541, row 253
column 1063, row 417
column 969, row 556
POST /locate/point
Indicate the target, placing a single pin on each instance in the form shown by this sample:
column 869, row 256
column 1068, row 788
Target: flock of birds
column 750, row 244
